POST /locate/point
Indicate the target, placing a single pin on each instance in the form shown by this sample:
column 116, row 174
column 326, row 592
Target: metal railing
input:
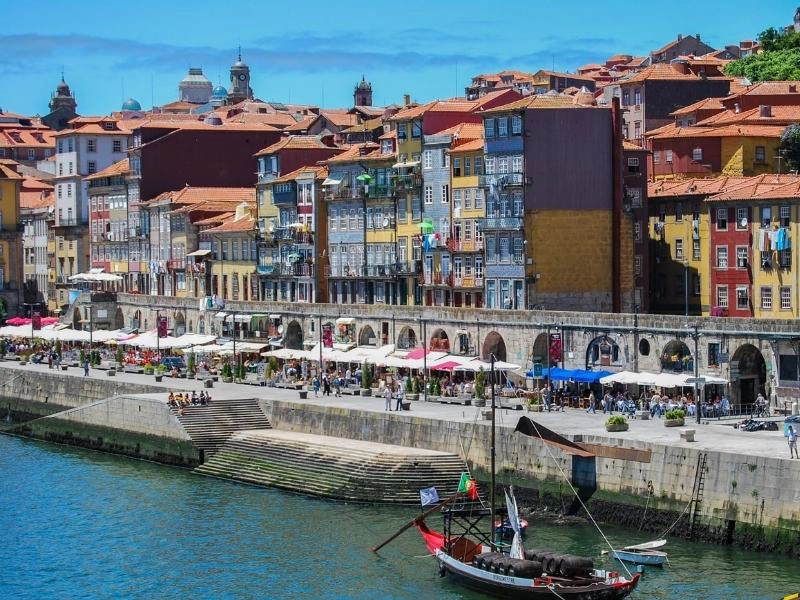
column 502, row 179
column 500, row 223
column 455, row 245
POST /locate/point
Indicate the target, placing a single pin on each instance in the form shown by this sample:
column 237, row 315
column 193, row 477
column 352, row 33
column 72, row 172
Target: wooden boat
column 503, row 528
column 654, row 558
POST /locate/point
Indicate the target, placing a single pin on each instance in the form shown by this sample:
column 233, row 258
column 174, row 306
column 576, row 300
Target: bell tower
column 362, row 96
column 240, row 81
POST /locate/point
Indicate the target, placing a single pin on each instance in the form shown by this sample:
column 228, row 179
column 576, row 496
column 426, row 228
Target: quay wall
column 754, row 497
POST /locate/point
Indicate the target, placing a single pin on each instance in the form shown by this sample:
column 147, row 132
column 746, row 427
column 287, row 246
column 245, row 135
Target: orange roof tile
column 320, row 172
column 537, row 101
column 192, row 195
column 779, row 115
column 361, row 152
column 692, row 187
column 213, row 220
column 16, row 137
column 158, row 123
column 246, row 223
column 294, row 142
column 704, row 104
column 389, row 135
column 339, row 119
column 697, row 131
column 412, row 112
column 665, row 71
column 772, row 88
column 276, row 119
column 760, row 186
column 474, row 145
column 118, row 168
column 8, row 170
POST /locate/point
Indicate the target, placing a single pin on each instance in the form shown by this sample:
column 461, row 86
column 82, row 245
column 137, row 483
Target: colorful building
column 36, row 204
column 108, row 220
column 10, row 246
column 236, row 274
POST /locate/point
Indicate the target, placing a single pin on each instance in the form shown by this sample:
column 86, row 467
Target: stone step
column 209, row 426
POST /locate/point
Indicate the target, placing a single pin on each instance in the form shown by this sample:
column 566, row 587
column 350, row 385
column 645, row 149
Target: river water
column 78, row 524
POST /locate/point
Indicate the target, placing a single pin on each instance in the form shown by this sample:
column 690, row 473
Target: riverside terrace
column 753, row 354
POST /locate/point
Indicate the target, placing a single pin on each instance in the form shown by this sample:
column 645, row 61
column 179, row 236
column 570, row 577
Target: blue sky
column 315, row 51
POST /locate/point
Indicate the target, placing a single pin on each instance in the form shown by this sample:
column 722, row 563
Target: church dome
column 131, row 104
column 63, row 88
column 196, row 76
column 219, row 92
column 364, row 85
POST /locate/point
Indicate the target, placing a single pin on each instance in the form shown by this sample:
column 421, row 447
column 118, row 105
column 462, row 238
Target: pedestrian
column 592, row 404
column 326, row 385
column 546, row 396
column 792, row 437
column 387, row 396
column 399, row 395
column 337, row 385
column 85, row 367
column 316, row 385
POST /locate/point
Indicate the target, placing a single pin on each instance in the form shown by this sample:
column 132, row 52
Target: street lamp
column 686, row 288
column 424, row 359
column 233, row 333
column 319, row 323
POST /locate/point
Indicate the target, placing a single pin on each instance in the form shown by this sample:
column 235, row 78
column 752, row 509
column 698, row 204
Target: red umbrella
column 17, row 321
column 446, row 366
column 416, row 353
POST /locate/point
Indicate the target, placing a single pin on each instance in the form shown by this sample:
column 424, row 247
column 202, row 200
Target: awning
column 331, row 181
column 576, row 375
column 275, row 316
column 405, row 165
column 202, row 252
column 345, row 321
column 220, row 315
column 242, row 318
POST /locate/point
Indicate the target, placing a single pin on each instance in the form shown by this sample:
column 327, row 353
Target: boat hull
column 652, row 559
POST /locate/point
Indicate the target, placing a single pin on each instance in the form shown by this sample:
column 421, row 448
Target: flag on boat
column 517, row 549
column 428, row 496
column 468, row 486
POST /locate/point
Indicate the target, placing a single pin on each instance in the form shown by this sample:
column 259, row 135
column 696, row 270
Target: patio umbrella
column 446, row 366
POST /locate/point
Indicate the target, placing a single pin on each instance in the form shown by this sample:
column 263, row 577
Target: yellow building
column 468, row 207
column 234, row 275
column 10, row 239
column 751, row 152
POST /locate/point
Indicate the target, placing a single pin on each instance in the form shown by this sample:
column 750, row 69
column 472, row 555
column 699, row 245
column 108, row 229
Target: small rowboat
column 504, row 527
column 654, row 558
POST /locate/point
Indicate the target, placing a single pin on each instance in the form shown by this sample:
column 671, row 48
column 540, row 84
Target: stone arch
column 539, row 351
column 201, row 326
column 602, row 351
column 366, row 337
column 463, row 344
column 440, row 341
column 179, row 324
column 136, row 321
column 293, row 337
column 748, row 374
column 644, row 347
column 119, row 319
column 677, row 357
column 406, row 339
column 494, row 343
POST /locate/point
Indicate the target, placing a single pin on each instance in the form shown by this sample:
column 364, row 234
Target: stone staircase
column 334, row 467
column 211, row 425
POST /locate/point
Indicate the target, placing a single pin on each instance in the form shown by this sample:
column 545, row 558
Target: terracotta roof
column 474, row 145
column 779, row 115
column 626, row 145
column 389, row 135
column 301, row 125
column 213, row 220
column 192, row 195
column 320, row 172
column 412, row 112
column 246, row 223
column 276, row 119
column 761, row 186
column 671, row 44
column 704, row 104
column 665, row 71
column 559, row 74
column 696, row 131
column 637, row 61
column 158, row 123
column 8, row 170
column 35, row 193
column 354, row 154
column 118, row 168
column 692, row 187
column 16, row 137
column 537, row 101
column 294, row 142
column 772, row 88
column 368, row 125
column 339, row 119
column 464, row 131
column 590, row 67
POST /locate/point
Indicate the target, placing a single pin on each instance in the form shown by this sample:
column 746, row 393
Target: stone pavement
column 711, row 435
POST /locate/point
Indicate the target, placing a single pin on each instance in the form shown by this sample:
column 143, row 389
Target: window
column 722, row 219
column 91, row 167
column 478, row 165
column 696, row 249
column 766, row 259
column 401, row 132
column 766, row 298
column 428, row 194
column 502, row 165
column 696, row 284
column 445, row 194
column 786, row 216
column 633, row 165
column 722, row 296
column 343, row 219
column 332, row 215
column 70, row 168
column 467, row 199
column 742, row 298
column 518, row 246
column 416, row 129
column 741, row 217
column 401, row 210
column 502, row 127
column 116, row 146
column 91, row 145
column 656, row 156
column 505, row 250
column 516, row 125
column 766, row 216
column 445, row 159
column 761, row 155
column 456, row 199
column 489, row 164
column 722, row 257
column 516, row 164
column 697, row 154
column 679, row 248
column 637, row 265
column 626, row 97
column 786, row 298
column 478, row 198
column 668, row 156
column 637, row 129
column 69, row 190
column 741, row 257
column 678, row 212
column 488, row 127
column 457, row 167
column 785, row 259
column 427, row 159
column 637, row 97
column 467, row 167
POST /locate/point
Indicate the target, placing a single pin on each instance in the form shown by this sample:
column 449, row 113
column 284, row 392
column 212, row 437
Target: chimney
column 792, row 88
column 697, row 35
column 765, row 110
column 680, row 37
column 406, row 99
column 737, row 108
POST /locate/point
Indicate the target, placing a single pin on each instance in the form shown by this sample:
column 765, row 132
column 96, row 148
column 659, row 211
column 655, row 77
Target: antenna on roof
column 240, row 53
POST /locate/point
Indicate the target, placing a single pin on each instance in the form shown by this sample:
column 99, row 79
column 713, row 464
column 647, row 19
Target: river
column 78, row 524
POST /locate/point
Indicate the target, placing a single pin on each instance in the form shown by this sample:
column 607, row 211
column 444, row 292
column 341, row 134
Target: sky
column 314, row 51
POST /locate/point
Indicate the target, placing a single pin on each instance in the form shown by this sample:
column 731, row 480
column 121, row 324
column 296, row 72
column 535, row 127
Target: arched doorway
column 748, row 374
column 119, row 319
column 293, row 338
column 366, row 337
column 180, row 324
column 494, row 344
column 464, row 345
column 136, row 322
column 439, row 341
column 406, row 339
column 539, row 352
column 201, row 326
column 677, row 357
column 602, row 351
column 76, row 318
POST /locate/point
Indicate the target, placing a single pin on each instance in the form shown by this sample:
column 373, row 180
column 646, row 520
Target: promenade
column 714, row 435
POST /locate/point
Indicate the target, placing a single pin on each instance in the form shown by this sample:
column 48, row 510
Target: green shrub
column 415, row 385
column 480, row 384
column 120, row 355
column 366, row 376
column 58, row 348
column 148, row 369
column 616, row 420
column 160, row 370
column 227, row 372
column 191, row 363
column 675, row 414
column 82, row 358
column 409, row 386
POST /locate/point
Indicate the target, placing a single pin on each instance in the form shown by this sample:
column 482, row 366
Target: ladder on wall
column 697, row 490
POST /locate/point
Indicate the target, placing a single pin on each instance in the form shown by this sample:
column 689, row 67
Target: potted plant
column 82, row 357
column 149, row 369
column 58, row 349
column 480, row 388
column 534, row 405
column 159, row 372
column 410, row 395
column 674, row 418
column 120, row 357
column 366, row 380
column 191, row 365
column 3, row 347
column 616, row 423
column 227, row 373
column 23, row 359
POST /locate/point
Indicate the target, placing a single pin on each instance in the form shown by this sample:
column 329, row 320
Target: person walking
column 399, row 396
column 387, row 396
column 792, row 438
column 592, row 404
column 326, row 385
column 85, row 367
column 315, row 383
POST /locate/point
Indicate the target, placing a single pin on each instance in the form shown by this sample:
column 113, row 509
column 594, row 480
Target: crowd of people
column 182, row 400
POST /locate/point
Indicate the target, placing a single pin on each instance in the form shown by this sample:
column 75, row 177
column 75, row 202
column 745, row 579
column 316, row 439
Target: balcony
column 407, row 183
column 372, row 271
column 465, row 245
column 341, row 192
column 176, row 264
column 507, row 223
column 409, row 268
column 379, row 191
column 286, row 270
column 70, row 222
column 438, row 279
column 468, row 282
column 502, row 179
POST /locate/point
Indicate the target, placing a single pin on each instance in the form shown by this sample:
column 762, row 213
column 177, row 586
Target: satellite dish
column 743, row 222
column 280, row 329
column 385, row 222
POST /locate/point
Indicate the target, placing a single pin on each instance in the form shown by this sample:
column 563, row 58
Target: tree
column 480, row 384
column 779, row 59
column 790, row 146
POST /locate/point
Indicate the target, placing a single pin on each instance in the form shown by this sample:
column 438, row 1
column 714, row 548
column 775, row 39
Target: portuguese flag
column 468, row 486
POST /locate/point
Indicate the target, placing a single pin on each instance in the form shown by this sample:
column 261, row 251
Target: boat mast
column 491, row 492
